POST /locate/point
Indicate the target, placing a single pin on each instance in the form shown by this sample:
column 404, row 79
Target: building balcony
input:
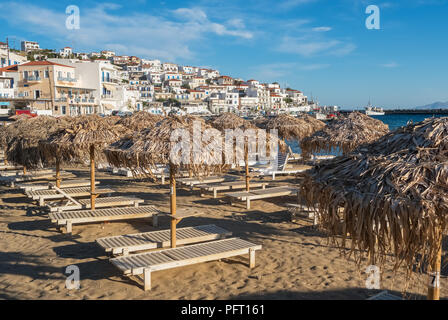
column 107, row 96
column 111, row 80
column 67, row 79
column 33, row 78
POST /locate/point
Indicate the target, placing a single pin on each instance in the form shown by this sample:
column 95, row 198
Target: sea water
column 394, row 121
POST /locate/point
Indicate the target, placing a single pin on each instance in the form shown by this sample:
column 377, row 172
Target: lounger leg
column 273, row 176
column 68, row 227
column 215, row 193
column 41, row 202
column 136, row 204
column 251, row 258
column 125, row 251
column 155, row 221
column 147, row 279
column 163, row 179
column 247, row 203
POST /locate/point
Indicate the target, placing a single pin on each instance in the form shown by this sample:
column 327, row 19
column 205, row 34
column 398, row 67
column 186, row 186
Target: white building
column 108, row 54
column 66, row 52
column 170, row 67
column 104, row 78
column 29, row 46
column 10, row 58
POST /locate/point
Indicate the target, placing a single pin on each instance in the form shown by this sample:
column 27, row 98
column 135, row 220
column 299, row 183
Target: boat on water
column 374, row 111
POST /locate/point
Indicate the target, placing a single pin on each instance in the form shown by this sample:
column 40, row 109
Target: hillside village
column 73, row 83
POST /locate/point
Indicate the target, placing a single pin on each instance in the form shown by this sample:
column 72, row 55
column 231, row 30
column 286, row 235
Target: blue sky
column 321, row 47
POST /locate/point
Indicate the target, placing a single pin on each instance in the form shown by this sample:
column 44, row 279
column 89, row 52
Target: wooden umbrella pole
column 92, row 177
column 58, row 172
column 173, row 205
column 434, row 276
column 24, row 170
column 5, row 160
column 246, row 160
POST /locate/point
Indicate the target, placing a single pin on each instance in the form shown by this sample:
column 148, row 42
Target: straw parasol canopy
column 345, row 133
column 139, row 120
column 157, row 145
column 394, row 197
column 74, row 142
column 228, row 120
column 291, row 128
column 152, row 146
column 22, row 139
column 84, row 139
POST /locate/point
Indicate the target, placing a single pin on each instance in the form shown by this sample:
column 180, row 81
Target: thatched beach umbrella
column 139, row 120
column 159, row 145
column 84, row 139
column 292, row 128
column 345, row 133
column 394, row 196
column 230, row 120
column 24, row 137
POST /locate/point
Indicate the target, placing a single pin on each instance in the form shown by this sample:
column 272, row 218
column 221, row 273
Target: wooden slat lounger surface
column 19, row 173
column 68, row 218
column 32, row 186
column 119, row 201
column 52, row 194
column 231, row 185
column 145, row 263
column 195, row 181
column 128, row 243
column 10, row 167
column 262, row 194
column 44, row 176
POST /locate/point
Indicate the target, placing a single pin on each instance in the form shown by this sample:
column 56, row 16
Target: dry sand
column 296, row 261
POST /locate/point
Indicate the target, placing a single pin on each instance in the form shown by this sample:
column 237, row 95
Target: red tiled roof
column 44, row 63
column 12, row 68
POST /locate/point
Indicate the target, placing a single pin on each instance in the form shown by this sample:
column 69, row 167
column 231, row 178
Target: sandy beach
column 296, row 261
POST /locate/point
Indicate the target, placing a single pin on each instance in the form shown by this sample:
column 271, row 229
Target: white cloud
column 316, row 66
column 322, row 29
column 169, row 35
column 389, row 65
column 307, row 46
column 288, row 4
column 280, row 71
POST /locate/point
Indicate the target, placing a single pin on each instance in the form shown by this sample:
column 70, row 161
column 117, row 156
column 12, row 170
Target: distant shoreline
column 408, row 111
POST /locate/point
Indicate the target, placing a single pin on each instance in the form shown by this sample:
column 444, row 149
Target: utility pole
column 7, row 50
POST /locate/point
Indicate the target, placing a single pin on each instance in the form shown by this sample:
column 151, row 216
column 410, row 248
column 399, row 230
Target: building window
column 47, row 74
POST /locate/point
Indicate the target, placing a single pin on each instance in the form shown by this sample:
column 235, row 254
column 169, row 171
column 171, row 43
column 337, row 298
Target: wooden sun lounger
column 99, row 203
column 44, row 176
column 19, row 173
column 69, row 218
column 144, row 264
column 54, row 194
column 126, row 244
column 233, row 185
column 33, row 186
column 192, row 182
column 10, row 167
column 261, row 194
